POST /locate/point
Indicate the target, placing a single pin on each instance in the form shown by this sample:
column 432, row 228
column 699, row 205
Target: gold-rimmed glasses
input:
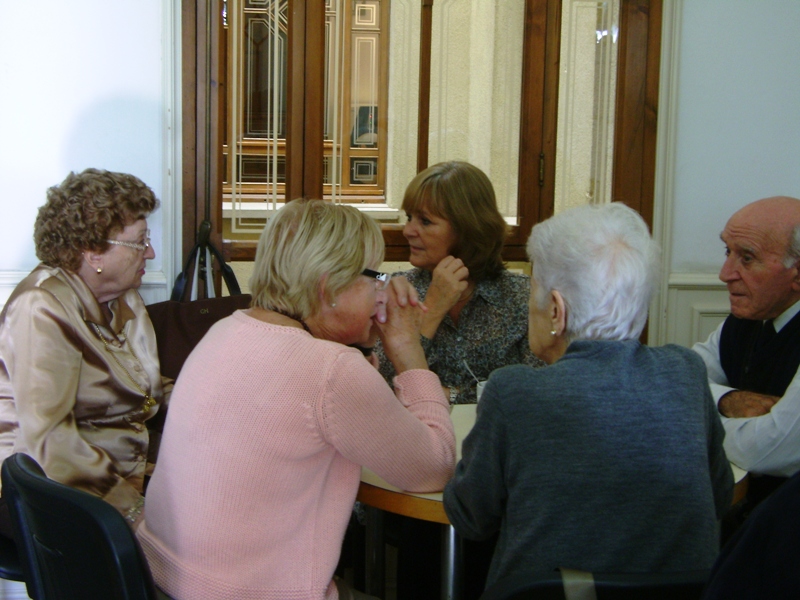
column 140, row 247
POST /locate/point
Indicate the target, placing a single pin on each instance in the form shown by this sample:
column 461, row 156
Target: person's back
column 610, row 460
column 260, row 461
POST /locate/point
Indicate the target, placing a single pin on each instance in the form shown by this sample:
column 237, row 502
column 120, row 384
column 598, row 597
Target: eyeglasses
column 381, row 279
column 134, row 245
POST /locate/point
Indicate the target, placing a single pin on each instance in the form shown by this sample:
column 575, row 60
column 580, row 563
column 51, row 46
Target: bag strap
column 180, row 281
column 201, row 249
column 227, row 272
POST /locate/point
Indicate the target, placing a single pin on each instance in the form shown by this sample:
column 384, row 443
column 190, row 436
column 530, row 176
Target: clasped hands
column 397, row 321
column 741, row 404
column 401, row 317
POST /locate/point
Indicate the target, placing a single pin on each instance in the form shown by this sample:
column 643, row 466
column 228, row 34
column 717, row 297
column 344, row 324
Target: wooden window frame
column 255, row 146
column 204, row 89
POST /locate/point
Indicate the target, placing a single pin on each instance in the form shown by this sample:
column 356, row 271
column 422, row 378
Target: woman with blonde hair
column 274, row 414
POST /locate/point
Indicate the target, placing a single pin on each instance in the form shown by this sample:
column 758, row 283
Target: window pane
column 587, row 90
column 257, row 109
column 354, row 92
column 475, row 91
column 265, row 81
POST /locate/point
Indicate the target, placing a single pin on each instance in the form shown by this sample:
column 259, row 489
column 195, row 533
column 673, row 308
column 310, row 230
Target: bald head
column 763, row 248
column 777, row 218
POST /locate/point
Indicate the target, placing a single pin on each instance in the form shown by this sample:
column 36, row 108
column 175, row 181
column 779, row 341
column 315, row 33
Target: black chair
column 73, row 545
column 10, row 564
column 634, row 586
column 762, row 559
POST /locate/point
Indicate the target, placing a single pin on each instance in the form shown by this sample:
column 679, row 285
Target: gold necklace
column 149, row 401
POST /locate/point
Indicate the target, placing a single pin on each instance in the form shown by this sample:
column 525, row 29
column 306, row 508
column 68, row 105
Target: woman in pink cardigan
column 274, row 414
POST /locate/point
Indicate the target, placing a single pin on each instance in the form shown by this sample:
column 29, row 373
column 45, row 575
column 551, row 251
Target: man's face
column 759, row 285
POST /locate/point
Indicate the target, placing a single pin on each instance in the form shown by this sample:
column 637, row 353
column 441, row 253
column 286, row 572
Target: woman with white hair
column 273, row 416
column 610, row 459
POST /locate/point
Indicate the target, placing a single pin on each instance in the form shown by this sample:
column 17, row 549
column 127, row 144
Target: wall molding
column 696, row 304
column 172, row 192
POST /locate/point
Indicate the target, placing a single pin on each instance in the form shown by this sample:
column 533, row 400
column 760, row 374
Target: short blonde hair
column 304, row 241
column 461, row 193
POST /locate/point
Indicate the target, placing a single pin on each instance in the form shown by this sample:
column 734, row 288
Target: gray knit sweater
column 609, row 460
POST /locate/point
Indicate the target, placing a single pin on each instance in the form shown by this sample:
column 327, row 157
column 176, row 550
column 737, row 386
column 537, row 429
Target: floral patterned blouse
column 492, row 332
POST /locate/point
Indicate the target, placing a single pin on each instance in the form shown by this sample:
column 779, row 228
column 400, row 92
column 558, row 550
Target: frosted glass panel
column 587, row 87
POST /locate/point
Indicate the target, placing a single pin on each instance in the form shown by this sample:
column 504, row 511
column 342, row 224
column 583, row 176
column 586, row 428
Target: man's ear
column 796, row 278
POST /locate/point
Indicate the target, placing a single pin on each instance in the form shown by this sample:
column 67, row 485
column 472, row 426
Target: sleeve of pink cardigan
column 407, row 439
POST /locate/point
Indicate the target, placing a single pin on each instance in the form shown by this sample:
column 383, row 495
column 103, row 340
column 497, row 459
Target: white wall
column 84, row 84
column 738, row 118
column 729, row 133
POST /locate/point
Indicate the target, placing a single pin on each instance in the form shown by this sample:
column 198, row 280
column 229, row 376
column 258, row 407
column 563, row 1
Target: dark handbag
column 180, row 325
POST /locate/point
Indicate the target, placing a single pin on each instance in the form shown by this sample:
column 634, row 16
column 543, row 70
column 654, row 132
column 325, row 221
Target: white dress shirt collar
column 786, row 316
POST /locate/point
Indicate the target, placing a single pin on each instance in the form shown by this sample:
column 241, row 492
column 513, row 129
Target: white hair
column 793, row 250
column 603, row 262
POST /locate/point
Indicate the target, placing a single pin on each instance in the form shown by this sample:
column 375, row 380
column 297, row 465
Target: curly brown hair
column 84, row 211
column 461, row 193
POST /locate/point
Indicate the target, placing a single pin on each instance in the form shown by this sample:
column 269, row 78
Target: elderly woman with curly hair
column 79, row 371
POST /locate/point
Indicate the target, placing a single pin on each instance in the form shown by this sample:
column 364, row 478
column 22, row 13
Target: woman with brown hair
column 476, row 320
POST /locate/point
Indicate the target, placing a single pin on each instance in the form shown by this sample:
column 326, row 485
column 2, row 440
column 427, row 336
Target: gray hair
column 304, row 241
column 793, row 249
column 603, row 262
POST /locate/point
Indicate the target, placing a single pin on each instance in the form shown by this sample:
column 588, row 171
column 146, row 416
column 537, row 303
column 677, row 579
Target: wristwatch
column 453, row 394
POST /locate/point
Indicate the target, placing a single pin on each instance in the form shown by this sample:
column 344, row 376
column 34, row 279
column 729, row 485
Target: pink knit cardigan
column 261, row 458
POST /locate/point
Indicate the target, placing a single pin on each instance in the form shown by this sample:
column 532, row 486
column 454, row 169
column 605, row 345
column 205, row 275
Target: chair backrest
column 762, row 559
column 606, row 586
column 75, row 545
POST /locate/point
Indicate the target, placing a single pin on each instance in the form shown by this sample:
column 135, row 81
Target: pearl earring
column 99, row 270
column 553, row 332
column 333, row 304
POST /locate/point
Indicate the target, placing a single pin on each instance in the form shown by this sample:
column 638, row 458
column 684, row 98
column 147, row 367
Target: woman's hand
column 400, row 330
column 449, row 281
column 405, row 293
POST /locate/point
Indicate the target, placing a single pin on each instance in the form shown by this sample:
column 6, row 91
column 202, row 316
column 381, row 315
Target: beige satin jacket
column 69, row 400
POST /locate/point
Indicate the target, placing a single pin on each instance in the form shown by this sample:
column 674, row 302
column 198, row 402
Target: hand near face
column 740, row 404
column 449, row 281
column 401, row 329
column 405, row 294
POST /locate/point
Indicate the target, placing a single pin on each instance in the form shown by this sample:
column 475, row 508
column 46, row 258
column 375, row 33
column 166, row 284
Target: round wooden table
column 377, row 495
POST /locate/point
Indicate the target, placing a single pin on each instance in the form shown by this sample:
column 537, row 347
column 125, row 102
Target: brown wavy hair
column 84, row 211
column 461, row 193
